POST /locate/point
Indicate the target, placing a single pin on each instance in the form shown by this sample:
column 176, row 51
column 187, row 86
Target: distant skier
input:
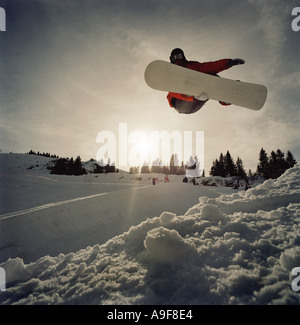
column 189, row 104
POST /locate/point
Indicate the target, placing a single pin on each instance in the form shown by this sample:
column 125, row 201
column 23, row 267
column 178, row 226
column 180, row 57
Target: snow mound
column 166, row 245
column 20, row 163
column 234, row 249
column 266, row 196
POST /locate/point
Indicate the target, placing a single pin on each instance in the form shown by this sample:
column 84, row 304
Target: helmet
column 177, row 54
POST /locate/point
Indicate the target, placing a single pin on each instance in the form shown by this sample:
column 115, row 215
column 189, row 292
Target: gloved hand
column 236, row 62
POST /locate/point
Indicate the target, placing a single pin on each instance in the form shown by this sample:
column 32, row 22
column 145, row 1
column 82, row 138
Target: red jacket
column 213, row 68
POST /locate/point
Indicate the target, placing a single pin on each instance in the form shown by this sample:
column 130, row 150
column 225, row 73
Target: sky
column 71, row 70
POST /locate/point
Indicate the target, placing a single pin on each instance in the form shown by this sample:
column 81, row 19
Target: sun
column 143, row 149
column 139, row 148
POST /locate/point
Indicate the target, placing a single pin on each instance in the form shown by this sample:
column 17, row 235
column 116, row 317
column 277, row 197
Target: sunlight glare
column 139, row 152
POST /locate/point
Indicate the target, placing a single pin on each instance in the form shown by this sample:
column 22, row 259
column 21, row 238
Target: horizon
column 128, row 169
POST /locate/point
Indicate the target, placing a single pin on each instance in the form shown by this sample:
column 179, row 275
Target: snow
column 114, row 240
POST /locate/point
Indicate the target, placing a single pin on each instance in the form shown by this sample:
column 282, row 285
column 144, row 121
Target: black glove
column 233, row 62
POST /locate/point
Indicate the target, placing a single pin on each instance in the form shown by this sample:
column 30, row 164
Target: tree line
column 225, row 166
column 173, row 168
column 275, row 165
column 67, row 166
column 44, row 154
column 62, row 166
column 268, row 167
column 104, row 168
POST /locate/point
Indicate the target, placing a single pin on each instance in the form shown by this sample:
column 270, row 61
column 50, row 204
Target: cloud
column 83, row 64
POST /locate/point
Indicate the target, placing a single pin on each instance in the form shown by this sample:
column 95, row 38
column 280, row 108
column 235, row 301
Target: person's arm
column 215, row 67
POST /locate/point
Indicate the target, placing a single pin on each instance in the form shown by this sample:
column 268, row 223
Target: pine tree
column 182, row 169
column 173, row 167
column 213, row 169
column 290, row 160
column 230, row 169
column 134, row 170
column 275, row 164
column 165, row 170
column 221, row 166
column 110, row 167
column 282, row 164
column 156, row 166
column 191, row 164
column 70, row 167
column 240, row 171
column 218, row 167
column 263, row 168
column 193, row 168
column 250, row 174
column 60, row 167
column 145, row 169
column 77, row 167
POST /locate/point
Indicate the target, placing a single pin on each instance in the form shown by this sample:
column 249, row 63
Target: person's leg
column 185, row 107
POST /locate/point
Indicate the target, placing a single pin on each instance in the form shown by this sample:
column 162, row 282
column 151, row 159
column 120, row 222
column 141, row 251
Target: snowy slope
column 43, row 214
column 226, row 249
column 20, row 163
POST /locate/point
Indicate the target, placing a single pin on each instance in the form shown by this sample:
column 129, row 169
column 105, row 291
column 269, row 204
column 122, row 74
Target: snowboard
column 165, row 76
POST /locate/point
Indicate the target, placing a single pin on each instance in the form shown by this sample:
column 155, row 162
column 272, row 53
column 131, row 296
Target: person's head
column 177, row 56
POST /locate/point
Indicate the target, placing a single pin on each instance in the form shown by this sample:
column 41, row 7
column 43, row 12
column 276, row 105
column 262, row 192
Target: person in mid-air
column 187, row 104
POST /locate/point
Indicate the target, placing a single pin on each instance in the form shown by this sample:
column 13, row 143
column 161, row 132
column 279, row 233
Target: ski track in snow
column 46, row 206
column 54, row 204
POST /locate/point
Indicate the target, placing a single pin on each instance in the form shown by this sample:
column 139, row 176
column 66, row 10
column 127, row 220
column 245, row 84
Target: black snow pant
column 185, row 107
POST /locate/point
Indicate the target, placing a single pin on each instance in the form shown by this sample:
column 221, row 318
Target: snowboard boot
column 202, row 97
column 224, row 104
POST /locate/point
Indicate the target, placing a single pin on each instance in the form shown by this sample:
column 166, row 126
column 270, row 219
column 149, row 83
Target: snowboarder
column 189, row 104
